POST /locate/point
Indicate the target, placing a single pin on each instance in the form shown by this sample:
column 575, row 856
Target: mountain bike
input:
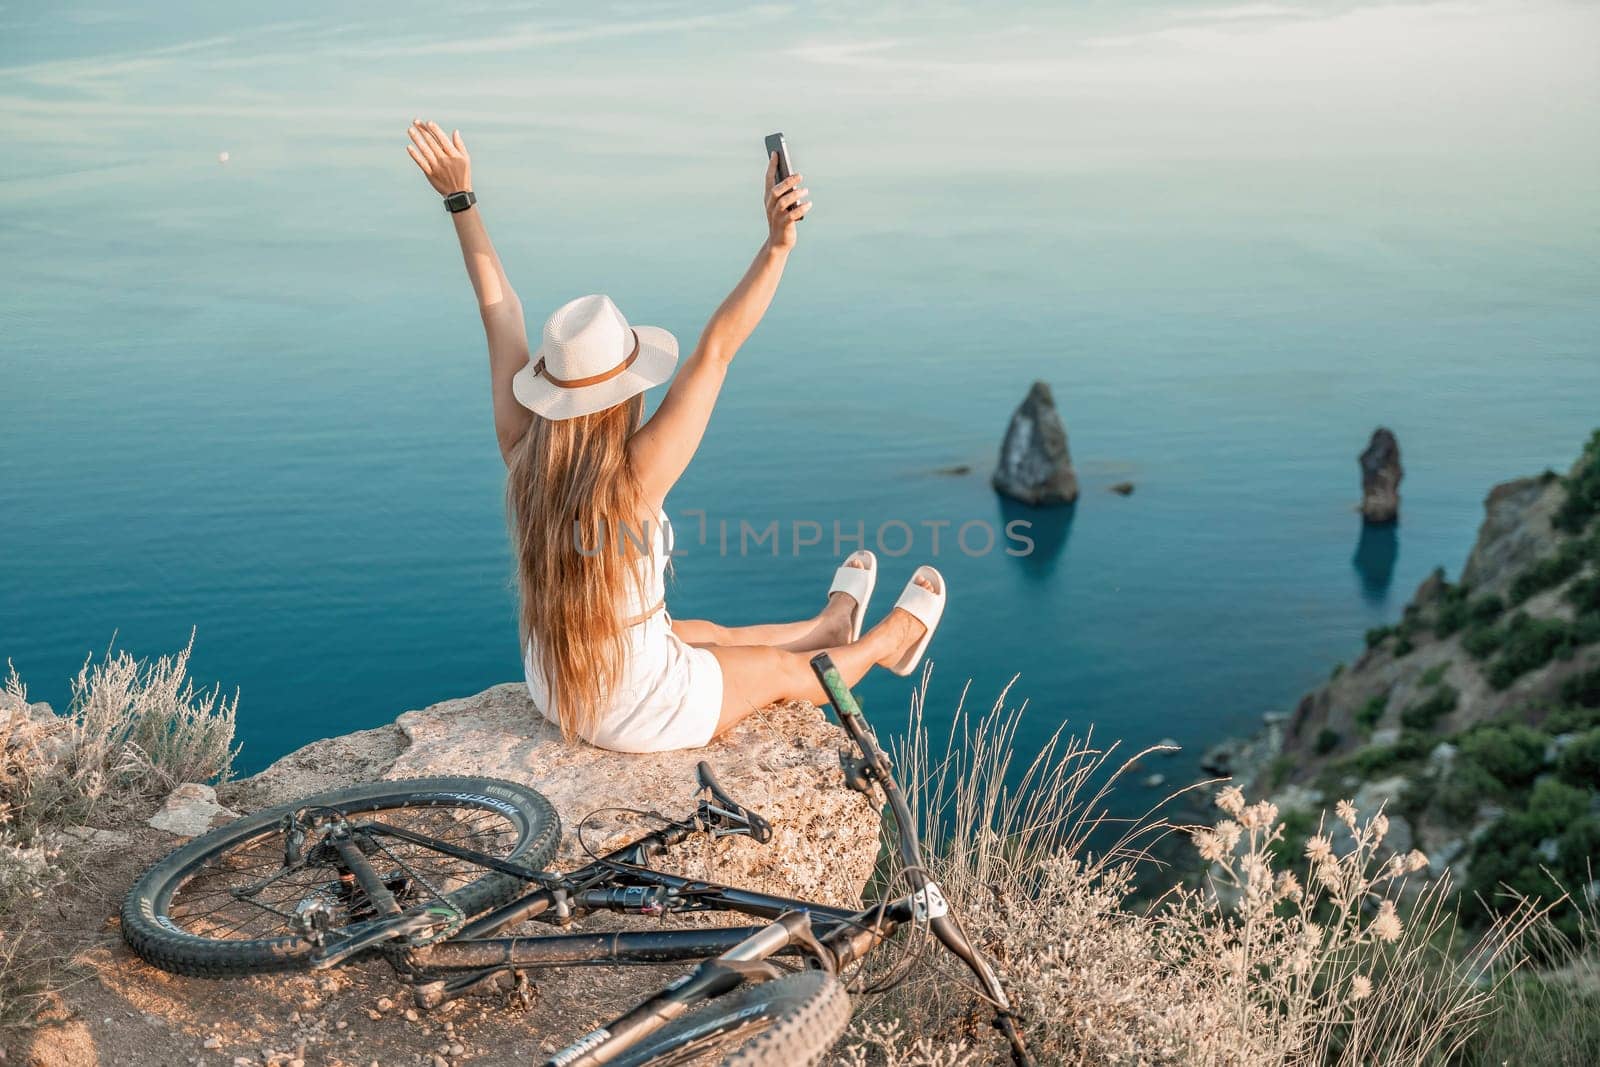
column 427, row 871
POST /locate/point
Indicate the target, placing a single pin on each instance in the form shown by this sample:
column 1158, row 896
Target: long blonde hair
column 569, row 486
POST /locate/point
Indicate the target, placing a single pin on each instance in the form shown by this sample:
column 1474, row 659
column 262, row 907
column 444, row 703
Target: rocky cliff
column 1519, row 625
column 1476, row 718
column 782, row 763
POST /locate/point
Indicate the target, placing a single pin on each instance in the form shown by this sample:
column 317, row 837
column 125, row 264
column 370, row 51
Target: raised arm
column 661, row 450
column 444, row 160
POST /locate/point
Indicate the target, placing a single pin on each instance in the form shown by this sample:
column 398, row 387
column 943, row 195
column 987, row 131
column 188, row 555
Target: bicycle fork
column 712, row 978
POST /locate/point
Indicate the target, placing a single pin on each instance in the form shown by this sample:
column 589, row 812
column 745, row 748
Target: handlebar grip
column 839, row 694
column 708, row 780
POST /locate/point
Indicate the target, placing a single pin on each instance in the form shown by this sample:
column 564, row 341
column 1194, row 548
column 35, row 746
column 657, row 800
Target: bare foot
column 906, row 627
column 833, row 623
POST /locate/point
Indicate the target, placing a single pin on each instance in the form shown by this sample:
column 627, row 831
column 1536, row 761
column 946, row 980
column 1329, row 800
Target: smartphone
column 776, row 143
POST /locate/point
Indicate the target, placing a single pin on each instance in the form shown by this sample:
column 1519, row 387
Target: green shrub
column 1583, row 490
column 1570, row 720
column 1466, row 787
column 1403, row 645
column 1457, row 610
column 1585, row 594
column 1434, row 674
column 1553, row 805
column 1579, row 762
column 1505, row 857
column 1512, row 754
column 1327, row 740
column 1416, row 798
column 1371, row 712
column 1508, row 854
column 1279, row 770
column 1425, row 714
column 1298, row 825
column 1529, row 644
column 1374, row 759
column 1548, row 572
column 1583, row 689
column 1487, row 608
column 1482, row 640
column 1377, row 635
column 1580, row 843
column 1451, row 604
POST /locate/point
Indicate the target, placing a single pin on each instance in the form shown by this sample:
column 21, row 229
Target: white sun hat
column 591, row 359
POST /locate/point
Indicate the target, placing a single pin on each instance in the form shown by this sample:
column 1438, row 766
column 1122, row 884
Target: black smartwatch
column 459, row 201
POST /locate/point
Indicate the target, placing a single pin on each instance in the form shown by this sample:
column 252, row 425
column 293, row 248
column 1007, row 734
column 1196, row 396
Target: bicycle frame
column 827, row 937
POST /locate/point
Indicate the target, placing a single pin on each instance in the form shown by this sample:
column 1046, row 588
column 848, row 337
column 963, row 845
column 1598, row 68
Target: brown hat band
column 593, row 379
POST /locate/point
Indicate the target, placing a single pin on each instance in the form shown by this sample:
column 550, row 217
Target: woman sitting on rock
column 585, row 496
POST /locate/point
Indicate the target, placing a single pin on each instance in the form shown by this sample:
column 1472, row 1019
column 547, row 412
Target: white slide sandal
column 926, row 606
column 857, row 583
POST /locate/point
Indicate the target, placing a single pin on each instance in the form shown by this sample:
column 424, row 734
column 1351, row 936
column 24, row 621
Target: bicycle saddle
column 726, row 813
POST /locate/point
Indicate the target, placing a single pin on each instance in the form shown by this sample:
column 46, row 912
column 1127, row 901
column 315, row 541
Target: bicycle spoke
column 207, row 902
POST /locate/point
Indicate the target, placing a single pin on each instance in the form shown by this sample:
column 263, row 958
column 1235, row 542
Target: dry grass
column 1335, row 959
column 134, row 730
column 1551, row 1015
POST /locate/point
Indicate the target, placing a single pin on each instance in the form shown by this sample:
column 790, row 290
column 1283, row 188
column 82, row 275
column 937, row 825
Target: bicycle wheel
column 221, row 905
column 789, row 1022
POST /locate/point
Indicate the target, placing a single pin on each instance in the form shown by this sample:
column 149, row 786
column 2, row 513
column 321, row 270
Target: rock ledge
column 782, row 762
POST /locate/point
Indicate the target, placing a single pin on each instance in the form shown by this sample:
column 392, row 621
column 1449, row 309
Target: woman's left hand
column 442, row 158
column 786, row 204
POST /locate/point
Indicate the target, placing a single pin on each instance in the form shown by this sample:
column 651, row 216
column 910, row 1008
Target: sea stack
column 1035, row 466
column 1380, row 477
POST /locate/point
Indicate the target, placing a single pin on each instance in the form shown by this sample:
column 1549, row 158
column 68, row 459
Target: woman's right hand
column 780, row 199
column 443, row 160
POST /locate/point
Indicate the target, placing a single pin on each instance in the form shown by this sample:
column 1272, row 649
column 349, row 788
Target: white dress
column 670, row 693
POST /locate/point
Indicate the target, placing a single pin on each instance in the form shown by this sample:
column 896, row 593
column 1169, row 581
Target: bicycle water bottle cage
column 723, row 814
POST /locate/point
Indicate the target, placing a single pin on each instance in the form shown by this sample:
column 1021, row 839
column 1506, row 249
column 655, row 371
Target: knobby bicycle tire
column 154, row 936
column 789, row 1022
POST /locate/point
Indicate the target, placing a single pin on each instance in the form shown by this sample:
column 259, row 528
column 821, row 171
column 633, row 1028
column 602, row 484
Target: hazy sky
column 965, row 87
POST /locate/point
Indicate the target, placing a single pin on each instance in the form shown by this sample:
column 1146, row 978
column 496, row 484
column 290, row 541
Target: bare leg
column 798, row 636
column 754, row 676
column 829, row 627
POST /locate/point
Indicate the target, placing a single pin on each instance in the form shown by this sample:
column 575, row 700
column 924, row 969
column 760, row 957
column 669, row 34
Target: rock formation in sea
column 1035, row 466
column 1380, row 477
column 782, row 763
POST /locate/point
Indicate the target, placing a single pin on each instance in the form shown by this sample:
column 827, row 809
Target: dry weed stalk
column 134, row 730
column 1267, row 966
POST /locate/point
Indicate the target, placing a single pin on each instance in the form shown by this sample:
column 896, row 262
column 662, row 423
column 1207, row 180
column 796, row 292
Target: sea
column 243, row 388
